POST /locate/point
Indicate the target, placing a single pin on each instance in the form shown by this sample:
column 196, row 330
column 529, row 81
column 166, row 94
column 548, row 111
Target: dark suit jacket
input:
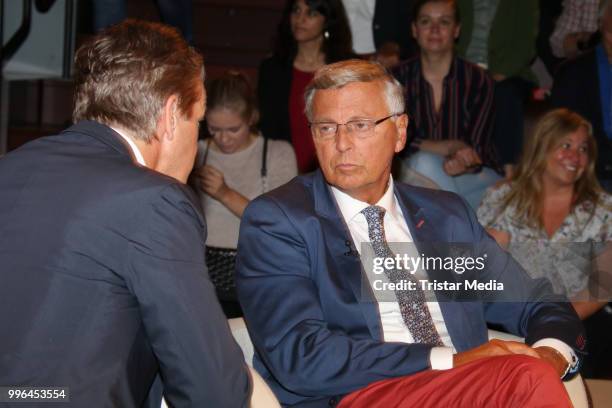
column 103, row 279
column 391, row 23
column 273, row 89
column 576, row 87
column 318, row 337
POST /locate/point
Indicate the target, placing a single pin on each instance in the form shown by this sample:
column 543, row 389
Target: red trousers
column 504, row 381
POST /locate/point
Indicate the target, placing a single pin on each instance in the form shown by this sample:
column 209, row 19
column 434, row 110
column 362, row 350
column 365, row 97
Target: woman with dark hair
column 556, row 221
column 311, row 33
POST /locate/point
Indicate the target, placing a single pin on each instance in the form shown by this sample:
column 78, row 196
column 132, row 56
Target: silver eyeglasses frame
column 362, row 128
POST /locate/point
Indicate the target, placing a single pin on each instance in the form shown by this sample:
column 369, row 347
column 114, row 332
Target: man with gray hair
column 324, row 332
column 104, row 284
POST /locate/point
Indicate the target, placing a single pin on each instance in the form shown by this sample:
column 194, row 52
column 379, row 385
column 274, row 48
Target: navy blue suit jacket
column 103, row 283
column 576, row 87
column 318, row 338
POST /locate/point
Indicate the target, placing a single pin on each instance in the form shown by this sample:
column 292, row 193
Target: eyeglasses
column 361, row 128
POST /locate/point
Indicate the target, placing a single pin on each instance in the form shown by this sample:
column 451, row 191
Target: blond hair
column 526, row 194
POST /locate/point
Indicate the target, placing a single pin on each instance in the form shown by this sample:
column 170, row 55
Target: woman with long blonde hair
column 553, row 216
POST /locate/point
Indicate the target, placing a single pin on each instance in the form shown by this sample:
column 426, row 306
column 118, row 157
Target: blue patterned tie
column 412, row 302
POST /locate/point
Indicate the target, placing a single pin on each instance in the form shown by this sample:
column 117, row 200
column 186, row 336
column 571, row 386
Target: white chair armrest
column 574, row 387
column 262, row 396
column 242, row 337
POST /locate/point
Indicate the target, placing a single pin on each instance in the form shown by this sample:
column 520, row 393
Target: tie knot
column 374, row 215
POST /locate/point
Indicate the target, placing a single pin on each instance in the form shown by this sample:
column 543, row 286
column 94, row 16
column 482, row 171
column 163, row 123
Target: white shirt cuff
column 566, row 351
column 441, row 358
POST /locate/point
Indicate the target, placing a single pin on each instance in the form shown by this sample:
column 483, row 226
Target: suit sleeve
column 200, row 363
column 282, row 302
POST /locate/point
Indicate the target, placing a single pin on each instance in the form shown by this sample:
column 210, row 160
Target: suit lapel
column 429, row 237
column 420, row 226
column 344, row 254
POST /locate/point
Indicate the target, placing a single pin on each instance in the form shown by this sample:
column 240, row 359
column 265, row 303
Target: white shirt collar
column 135, row 150
column 351, row 207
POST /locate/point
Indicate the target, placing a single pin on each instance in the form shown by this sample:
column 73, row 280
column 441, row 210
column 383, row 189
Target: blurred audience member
column 557, row 222
column 379, row 29
column 234, row 165
column 177, row 13
column 450, row 105
column 311, row 33
column 585, row 86
column 574, row 27
column 500, row 35
column 546, row 63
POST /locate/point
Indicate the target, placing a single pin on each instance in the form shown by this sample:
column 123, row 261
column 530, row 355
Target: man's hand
column 461, row 161
column 554, row 358
column 493, row 348
column 212, row 182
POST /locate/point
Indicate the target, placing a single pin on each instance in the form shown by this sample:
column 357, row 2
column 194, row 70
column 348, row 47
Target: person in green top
column 500, row 36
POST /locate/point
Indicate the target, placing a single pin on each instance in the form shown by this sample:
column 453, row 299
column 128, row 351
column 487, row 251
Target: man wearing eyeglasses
column 323, row 332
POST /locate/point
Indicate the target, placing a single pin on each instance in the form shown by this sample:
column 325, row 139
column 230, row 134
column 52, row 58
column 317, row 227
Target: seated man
column 450, row 109
column 104, row 284
column 584, row 85
column 321, row 335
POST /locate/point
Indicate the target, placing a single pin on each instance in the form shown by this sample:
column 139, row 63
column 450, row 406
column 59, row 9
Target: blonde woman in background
column 234, row 165
column 556, row 221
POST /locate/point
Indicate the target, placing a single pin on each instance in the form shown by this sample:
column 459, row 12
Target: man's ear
column 169, row 117
column 402, row 124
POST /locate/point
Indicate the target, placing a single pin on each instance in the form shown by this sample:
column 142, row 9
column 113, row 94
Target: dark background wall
column 231, row 34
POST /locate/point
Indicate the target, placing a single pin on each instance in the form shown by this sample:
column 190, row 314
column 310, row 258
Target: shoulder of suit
column 425, row 192
column 296, row 194
column 436, row 201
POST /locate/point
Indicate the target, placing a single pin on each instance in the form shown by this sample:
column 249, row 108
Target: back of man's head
column 339, row 74
column 124, row 75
